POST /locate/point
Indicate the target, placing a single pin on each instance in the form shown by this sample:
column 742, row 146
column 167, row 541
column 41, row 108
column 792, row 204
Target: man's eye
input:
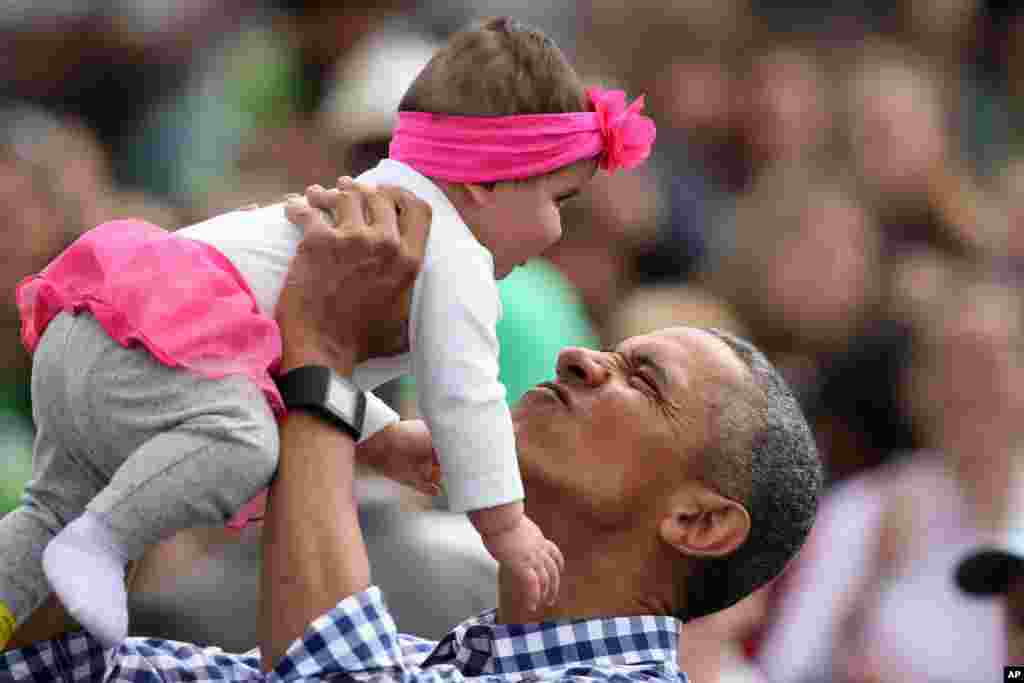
column 647, row 383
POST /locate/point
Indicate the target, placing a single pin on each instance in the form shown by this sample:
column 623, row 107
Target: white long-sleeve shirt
column 453, row 344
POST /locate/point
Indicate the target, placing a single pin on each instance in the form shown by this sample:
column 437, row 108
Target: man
column 675, row 472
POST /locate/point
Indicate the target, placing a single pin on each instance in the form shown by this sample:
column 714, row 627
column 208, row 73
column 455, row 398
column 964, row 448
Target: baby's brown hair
column 500, row 67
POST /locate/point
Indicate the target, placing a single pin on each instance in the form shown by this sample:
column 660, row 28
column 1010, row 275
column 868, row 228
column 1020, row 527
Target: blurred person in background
column 998, row 61
column 81, row 58
column 80, row 165
column 604, row 229
column 968, row 41
column 1009, row 192
column 560, row 19
column 785, row 105
column 682, row 55
column 903, row 137
column 246, row 109
column 800, row 264
column 39, row 222
column 57, row 182
column 857, row 406
column 871, row 597
column 651, row 307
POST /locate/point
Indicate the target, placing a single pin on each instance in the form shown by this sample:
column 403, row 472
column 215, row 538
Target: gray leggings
column 152, row 449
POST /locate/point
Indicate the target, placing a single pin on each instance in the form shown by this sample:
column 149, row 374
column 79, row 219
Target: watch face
column 343, row 398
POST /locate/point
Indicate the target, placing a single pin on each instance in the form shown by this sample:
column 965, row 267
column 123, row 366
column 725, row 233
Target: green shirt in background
column 542, row 315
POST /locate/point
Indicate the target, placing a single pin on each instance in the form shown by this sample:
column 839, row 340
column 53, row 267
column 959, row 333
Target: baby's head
column 500, row 120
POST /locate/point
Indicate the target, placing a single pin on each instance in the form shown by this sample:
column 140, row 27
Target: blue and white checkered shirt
column 358, row 640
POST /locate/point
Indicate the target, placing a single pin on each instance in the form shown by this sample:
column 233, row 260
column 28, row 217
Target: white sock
column 85, row 566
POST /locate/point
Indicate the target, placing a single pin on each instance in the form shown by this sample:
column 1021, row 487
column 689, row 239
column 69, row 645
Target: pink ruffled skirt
column 179, row 298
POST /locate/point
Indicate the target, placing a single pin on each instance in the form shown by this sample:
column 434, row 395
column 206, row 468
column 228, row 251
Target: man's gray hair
column 766, row 458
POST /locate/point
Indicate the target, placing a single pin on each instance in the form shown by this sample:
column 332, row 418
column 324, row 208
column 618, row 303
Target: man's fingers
column 383, row 215
column 414, row 217
column 302, row 215
column 350, row 209
column 324, row 200
column 407, row 203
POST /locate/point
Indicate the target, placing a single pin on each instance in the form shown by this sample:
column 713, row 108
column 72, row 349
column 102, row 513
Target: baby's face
column 519, row 220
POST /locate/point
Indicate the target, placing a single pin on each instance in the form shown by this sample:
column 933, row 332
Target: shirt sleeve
column 358, row 636
column 378, row 416
column 455, row 363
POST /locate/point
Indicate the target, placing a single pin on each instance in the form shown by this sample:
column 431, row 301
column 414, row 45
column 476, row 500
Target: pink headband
column 477, row 149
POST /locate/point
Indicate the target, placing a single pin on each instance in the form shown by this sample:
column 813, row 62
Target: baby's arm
column 403, row 451
column 520, row 546
column 455, row 360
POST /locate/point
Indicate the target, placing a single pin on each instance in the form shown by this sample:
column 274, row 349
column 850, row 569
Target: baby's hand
column 534, row 562
column 403, row 451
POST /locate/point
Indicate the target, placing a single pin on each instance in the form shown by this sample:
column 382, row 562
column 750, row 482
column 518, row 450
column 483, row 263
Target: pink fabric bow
column 628, row 135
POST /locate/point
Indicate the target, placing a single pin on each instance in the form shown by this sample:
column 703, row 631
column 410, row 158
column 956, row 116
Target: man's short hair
column 764, row 456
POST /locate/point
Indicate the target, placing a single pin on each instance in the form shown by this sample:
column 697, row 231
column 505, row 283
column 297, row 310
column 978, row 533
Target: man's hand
column 404, row 453
column 346, row 296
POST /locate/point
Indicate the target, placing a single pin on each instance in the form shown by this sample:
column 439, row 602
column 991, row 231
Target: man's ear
column 478, row 194
column 702, row 523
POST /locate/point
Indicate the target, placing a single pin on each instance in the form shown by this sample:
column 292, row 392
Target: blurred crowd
column 841, row 182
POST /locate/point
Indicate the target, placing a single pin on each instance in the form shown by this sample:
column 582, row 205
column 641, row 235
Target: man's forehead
column 678, row 347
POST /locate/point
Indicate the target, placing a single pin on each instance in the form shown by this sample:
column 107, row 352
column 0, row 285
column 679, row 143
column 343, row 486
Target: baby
column 154, row 352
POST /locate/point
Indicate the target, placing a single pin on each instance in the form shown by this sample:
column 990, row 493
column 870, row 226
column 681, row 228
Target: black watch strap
column 319, row 390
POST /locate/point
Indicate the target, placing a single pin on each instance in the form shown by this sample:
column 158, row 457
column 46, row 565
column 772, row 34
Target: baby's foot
column 85, row 568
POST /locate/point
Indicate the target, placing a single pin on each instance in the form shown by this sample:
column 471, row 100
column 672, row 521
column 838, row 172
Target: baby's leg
column 62, row 483
column 197, row 450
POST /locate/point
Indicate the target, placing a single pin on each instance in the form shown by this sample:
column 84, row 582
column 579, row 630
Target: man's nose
column 576, row 364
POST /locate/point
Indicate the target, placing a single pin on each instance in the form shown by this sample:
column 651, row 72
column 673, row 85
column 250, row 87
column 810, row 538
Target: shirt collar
column 480, row 646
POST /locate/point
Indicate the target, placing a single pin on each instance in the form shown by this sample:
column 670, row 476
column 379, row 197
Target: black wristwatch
column 319, row 390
